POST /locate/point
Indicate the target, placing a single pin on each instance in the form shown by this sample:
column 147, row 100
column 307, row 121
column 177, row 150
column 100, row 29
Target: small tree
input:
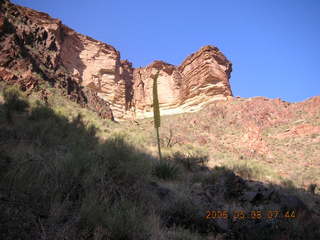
column 156, row 110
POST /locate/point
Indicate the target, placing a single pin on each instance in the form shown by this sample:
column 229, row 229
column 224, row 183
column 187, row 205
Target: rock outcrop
column 36, row 47
column 202, row 78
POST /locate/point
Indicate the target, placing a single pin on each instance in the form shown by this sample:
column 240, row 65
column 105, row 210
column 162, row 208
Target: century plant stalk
column 156, row 111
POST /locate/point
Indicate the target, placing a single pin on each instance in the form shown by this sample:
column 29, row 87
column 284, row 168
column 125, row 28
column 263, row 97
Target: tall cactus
column 156, row 110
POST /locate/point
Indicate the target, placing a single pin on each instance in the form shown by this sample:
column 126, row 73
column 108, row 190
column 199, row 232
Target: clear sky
column 274, row 45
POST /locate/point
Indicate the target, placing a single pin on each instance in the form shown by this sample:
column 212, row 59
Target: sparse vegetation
column 166, row 170
column 14, row 102
column 190, row 160
column 66, row 174
column 58, row 169
column 251, row 169
column 184, row 213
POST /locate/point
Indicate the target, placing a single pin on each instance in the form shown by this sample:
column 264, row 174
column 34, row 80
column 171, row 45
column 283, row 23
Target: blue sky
column 274, row 45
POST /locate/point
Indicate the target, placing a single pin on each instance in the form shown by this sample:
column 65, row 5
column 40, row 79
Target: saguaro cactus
column 156, row 111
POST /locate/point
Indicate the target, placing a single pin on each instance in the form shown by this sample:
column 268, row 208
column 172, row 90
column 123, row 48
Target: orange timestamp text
column 254, row 214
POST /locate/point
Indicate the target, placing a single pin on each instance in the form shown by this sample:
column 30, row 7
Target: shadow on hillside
column 59, row 181
column 259, row 210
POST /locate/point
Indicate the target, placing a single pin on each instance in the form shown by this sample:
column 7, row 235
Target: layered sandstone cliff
column 35, row 47
column 202, row 78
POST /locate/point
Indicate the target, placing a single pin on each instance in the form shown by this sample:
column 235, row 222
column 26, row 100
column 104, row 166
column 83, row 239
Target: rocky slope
column 278, row 139
column 35, row 46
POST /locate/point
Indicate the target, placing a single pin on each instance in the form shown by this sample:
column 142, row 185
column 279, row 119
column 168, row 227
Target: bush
column 123, row 164
column 287, row 183
column 165, row 170
column 125, row 220
column 213, row 177
column 119, row 220
column 13, row 101
column 183, row 212
column 54, row 168
column 251, row 169
column 41, row 113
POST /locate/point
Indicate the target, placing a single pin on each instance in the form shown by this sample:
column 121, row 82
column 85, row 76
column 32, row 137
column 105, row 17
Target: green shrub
column 212, row 177
column 124, row 162
column 251, row 169
column 56, row 166
column 41, row 113
column 122, row 219
column 183, row 212
column 125, row 220
column 165, row 170
column 13, row 101
column 287, row 183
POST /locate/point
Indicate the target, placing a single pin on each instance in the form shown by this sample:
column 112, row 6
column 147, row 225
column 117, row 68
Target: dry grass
column 95, row 154
column 218, row 133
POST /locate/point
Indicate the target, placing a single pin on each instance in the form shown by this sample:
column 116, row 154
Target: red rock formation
column 35, row 47
column 202, row 78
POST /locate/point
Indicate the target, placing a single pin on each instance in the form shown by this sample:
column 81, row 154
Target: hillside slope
column 65, row 175
column 235, row 169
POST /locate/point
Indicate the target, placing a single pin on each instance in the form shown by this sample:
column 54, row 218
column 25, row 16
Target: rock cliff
column 35, row 47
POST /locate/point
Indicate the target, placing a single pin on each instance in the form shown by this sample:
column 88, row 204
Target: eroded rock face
column 202, row 78
column 35, row 47
column 32, row 47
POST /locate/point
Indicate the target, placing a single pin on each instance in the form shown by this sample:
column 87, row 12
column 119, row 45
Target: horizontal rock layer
column 35, row 46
